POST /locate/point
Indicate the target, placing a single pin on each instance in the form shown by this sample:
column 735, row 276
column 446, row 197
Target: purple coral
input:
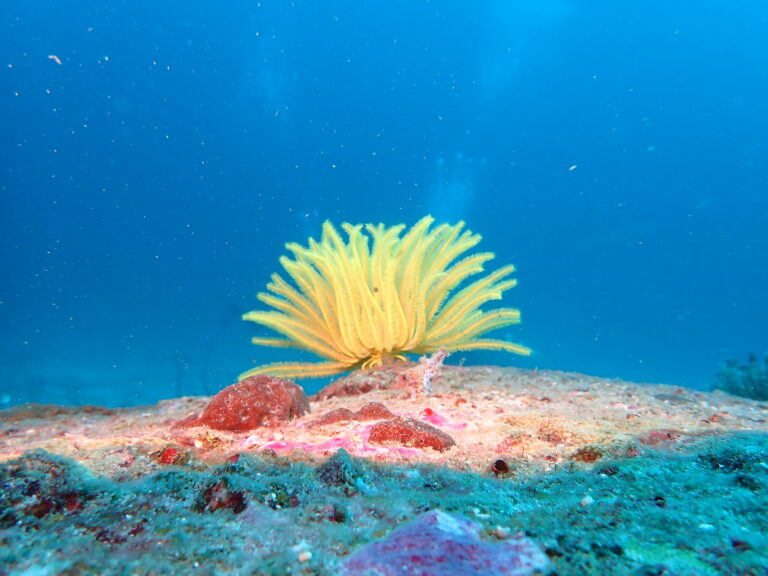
column 437, row 543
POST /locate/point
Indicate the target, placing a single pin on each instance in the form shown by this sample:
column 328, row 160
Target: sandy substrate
column 600, row 476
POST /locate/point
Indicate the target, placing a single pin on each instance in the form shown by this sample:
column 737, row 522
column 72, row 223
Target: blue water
column 156, row 156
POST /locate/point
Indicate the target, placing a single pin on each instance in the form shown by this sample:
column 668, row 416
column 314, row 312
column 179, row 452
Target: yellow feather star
column 379, row 295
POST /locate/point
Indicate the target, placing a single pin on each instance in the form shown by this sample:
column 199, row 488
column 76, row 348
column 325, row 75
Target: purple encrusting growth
column 437, row 543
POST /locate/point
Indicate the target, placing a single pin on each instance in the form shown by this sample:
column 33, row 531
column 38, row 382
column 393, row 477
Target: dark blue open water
column 155, row 156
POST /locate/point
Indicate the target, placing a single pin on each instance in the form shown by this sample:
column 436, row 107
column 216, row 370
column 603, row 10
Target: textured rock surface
column 604, row 476
column 437, row 544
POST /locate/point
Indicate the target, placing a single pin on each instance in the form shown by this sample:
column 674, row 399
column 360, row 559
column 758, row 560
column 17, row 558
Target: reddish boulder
column 371, row 411
column 411, row 433
column 254, row 402
column 332, row 417
column 374, row 411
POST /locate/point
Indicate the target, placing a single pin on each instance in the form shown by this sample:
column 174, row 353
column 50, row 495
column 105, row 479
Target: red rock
column 371, row 411
column 332, row 417
column 254, row 402
column 374, row 411
column 411, row 433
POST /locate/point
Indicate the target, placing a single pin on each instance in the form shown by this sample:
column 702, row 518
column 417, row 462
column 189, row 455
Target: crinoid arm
column 491, row 344
column 297, row 370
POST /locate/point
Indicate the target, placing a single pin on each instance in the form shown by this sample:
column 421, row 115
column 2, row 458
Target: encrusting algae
column 379, row 295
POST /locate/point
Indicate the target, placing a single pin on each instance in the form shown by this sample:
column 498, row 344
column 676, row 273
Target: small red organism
column 169, row 456
column 219, row 496
column 500, row 467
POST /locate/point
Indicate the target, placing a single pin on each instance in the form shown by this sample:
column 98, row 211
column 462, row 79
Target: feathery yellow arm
column 381, row 293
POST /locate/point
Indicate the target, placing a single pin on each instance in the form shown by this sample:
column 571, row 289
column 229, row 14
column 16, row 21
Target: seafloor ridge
column 499, row 470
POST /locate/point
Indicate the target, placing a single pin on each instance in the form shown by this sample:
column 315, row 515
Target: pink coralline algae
column 440, row 544
column 253, row 402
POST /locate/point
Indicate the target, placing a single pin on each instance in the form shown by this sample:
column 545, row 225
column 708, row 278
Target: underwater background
column 156, row 156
